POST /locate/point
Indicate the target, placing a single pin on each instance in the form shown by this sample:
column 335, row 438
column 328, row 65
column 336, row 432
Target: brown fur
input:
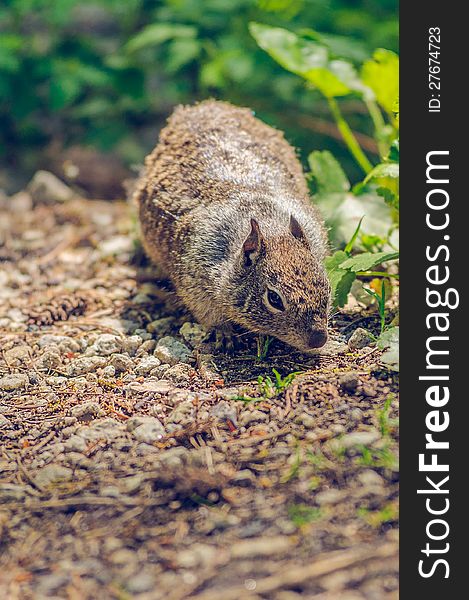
column 216, row 168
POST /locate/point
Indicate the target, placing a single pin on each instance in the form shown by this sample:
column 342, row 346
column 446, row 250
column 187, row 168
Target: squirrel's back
column 224, row 208
column 211, row 149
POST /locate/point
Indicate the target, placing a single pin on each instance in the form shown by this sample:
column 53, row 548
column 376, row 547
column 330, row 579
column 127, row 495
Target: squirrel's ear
column 252, row 244
column 297, row 230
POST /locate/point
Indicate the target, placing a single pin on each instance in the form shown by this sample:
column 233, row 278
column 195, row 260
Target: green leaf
column 309, row 59
column 182, row 51
column 383, row 171
column 349, row 247
column 387, row 176
column 389, row 196
column 64, row 91
column 389, row 341
column 340, row 46
column 157, row 33
column 327, row 173
column 367, row 260
column 342, row 213
column 212, row 74
column 381, row 74
column 340, row 279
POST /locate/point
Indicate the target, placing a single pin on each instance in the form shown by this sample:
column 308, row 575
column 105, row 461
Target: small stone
column 109, row 371
column 16, row 315
column 145, row 429
column 174, row 457
column 169, row 350
column 159, row 372
column 180, row 373
column 111, row 491
column 129, row 485
column 143, row 333
column 63, row 342
column 370, row 478
column 307, row 420
column 151, row 385
column 331, row 348
column 131, row 344
column 193, row 333
column 360, row 338
column 356, row 414
column 80, row 366
column 123, row 557
column 197, row 555
column 369, row 391
column 160, row 327
column 52, row 474
column 147, row 347
column 107, row 430
column 50, row 360
column 105, row 345
column 264, row 546
column 87, row 411
column 359, row 438
column 141, row 582
column 331, row 496
column 147, row 364
column 46, row 188
column 14, row 381
column 17, row 355
column 141, row 299
column 114, row 246
column 223, row 411
column 121, row 363
column 252, row 416
column 183, row 414
column 230, row 393
column 349, row 382
column 49, row 584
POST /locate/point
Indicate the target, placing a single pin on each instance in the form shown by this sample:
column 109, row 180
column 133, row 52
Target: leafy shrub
column 106, row 73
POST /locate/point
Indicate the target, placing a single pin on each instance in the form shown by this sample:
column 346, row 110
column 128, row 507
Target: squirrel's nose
column 317, row 338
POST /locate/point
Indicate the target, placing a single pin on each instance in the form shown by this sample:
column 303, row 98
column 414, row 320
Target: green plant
column 381, row 302
column 378, row 457
column 389, row 513
column 311, row 57
column 106, row 74
column 294, row 470
column 385, row 424
column 270, row 388
column 302, row 514
column 263, row 345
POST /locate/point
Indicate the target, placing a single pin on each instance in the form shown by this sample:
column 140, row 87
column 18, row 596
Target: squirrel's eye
column 274, row 300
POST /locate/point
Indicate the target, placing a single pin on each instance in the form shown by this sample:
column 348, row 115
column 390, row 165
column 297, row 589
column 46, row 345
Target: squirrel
column 224, row 210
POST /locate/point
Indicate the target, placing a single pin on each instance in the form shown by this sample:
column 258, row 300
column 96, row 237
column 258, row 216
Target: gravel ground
column 138, row 462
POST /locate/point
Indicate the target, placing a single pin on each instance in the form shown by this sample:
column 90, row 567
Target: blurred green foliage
column 106, row 73
column 374, row 202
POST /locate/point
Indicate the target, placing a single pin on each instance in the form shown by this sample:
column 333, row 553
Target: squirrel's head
column 282, row 288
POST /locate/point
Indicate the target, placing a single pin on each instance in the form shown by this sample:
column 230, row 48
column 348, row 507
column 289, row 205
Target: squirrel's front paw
column 227, row 340
column 224, row 340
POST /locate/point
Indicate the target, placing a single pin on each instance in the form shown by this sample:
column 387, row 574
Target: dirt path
column 137, row 462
